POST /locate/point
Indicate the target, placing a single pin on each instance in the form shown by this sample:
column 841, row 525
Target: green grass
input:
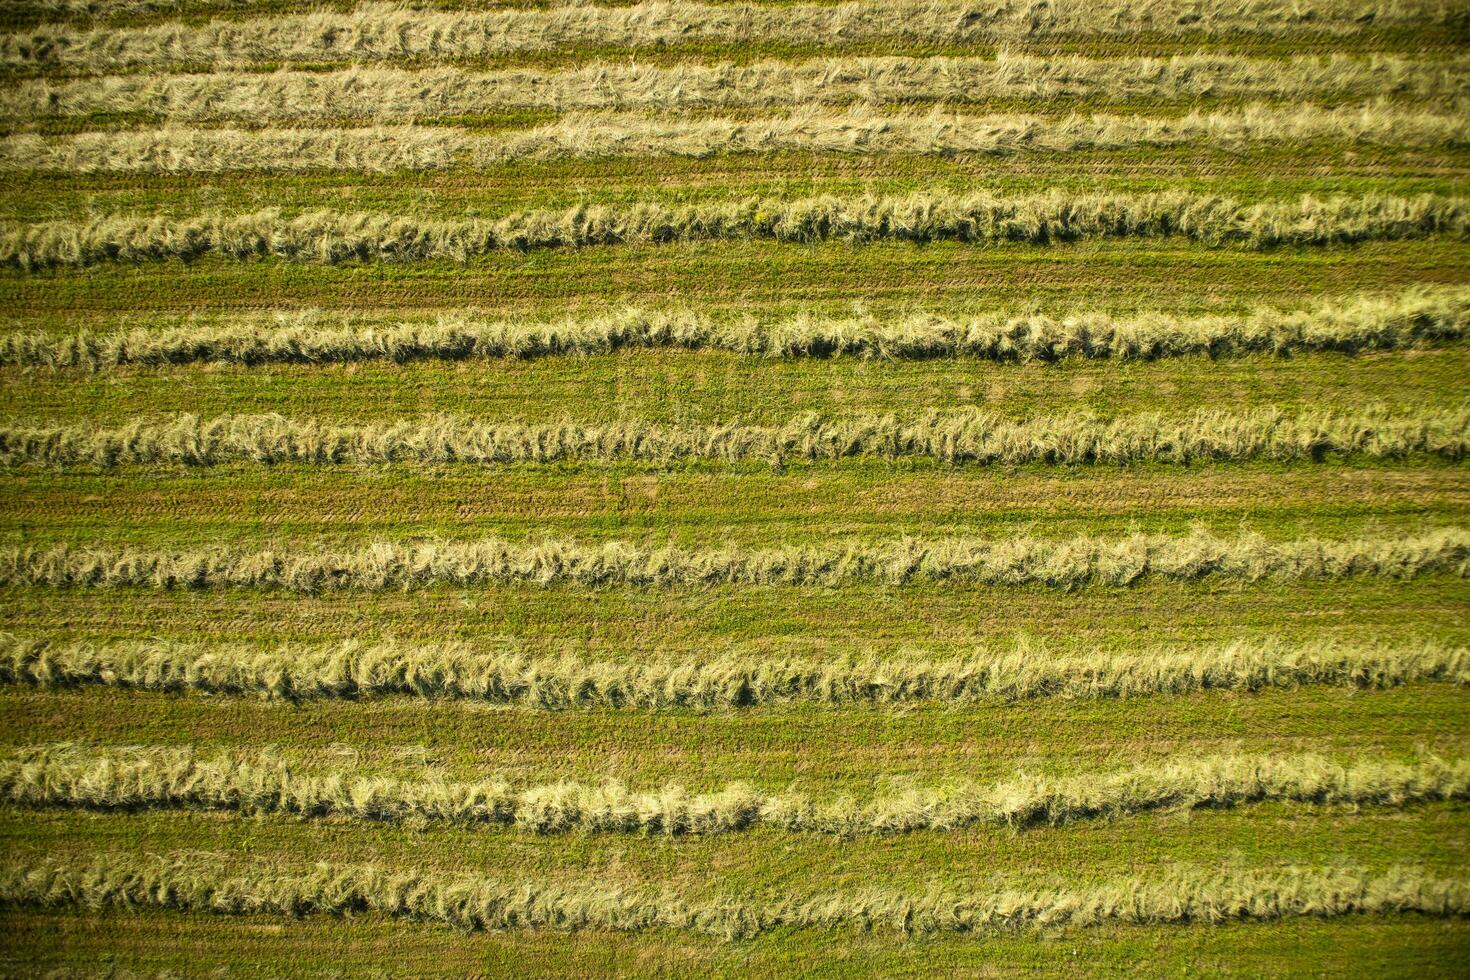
column 320, row 947
column 1108, row 275
column 712, row 504
column 1264, row 172
column 678, row 387
column 811, row 748
column 860, row 750
column 856, row 617
column 761, row 862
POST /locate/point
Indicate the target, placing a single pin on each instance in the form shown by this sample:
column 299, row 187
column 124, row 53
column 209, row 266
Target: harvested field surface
column 768, row 488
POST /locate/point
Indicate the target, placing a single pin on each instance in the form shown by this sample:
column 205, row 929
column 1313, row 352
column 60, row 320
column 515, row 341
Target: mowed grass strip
column 1266, row 173
column 975, row 218
column 126, row 880
column 75, row 940
column 683, row 389
column 758, row 861
column 612, row 622
column 957, row 437
column 512, row 673
column 1058, row 563
column 132, row 778
column 756, row 275
column 372, row 32
column 394, row 149
column 394, row 94
column 249, row 506
column 826, row 750
column 1273, row 836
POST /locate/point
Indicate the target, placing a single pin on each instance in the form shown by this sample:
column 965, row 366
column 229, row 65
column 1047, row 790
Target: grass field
column 707, row 489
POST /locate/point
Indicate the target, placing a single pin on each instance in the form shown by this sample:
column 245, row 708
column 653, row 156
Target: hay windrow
column 736, row 678
column 507, row 674
column 967, row 436
column 1353, row 324
column 977, row 218
column 398, row 149
column 1066, row 563
column 203, row 883
column 404, row 95
column 387, row 32
column 264, row 783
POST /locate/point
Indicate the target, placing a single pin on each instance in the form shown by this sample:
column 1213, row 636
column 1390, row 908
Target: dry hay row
column 131, row 778
column 114, row 10
column 55, row 9
column 1416, row 317
column 579, row 136
column 970, row 436
column 977, row 218
column 1066, row 563
column 505, row 673
column 383, row 31
column 1153, row 15
column 397, row 95
column 205, row 883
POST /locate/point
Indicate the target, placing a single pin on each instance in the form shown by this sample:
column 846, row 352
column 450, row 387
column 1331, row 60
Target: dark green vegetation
column 199, row 941
column 823, row 748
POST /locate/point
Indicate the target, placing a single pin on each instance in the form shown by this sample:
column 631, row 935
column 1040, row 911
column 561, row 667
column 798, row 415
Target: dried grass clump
column 857, row 131
column 1415, row 317
column 506, row 674
column 203, row 151
column 116, row 8
column 968, row 436
column 1066, row 563
column 861, row 130
column 388, row 32
column 734, row 679
column 253, row 783
column 207, row 883
column 404, row 95
column 977, row 218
